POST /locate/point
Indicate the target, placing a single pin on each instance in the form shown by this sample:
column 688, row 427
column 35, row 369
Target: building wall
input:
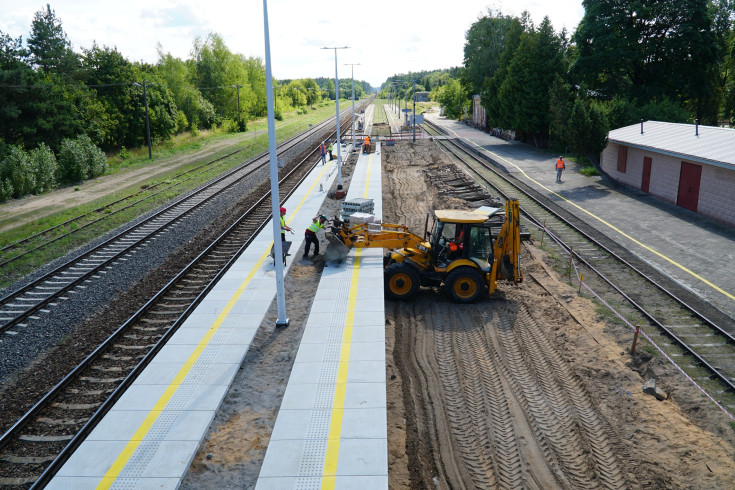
column 715, row 194
column 716, row 188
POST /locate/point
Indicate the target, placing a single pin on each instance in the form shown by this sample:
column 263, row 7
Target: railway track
column 36, row 297
column 11, row 253
column 692, row 332
column 33, row 449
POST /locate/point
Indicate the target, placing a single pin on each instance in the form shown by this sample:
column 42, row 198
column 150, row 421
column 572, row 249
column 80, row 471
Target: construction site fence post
column 635, row 338
column 571, row 253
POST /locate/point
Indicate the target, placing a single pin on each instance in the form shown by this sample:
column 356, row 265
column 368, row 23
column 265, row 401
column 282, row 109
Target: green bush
column 44, row 167
column 17, row 169
column 73, row 165
column 124, row 153
column 80, row 159
column 6, row 190
column 181, row 122
column 230, row 126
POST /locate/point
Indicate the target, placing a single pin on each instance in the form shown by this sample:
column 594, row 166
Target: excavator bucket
column 336, row 250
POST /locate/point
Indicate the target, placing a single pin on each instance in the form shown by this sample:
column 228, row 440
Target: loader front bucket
column 336, row 250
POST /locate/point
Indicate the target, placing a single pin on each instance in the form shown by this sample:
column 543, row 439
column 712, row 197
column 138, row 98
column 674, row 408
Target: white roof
column 712, row 145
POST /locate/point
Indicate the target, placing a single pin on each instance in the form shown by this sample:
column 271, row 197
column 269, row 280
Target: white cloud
column 385, row 37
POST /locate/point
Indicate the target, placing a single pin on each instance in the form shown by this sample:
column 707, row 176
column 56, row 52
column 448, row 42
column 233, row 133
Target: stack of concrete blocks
column 358, row 205
column 373, row 224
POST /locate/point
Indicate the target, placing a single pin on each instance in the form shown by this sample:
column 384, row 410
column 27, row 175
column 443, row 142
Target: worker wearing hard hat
column 284, row 226
column 310, row 235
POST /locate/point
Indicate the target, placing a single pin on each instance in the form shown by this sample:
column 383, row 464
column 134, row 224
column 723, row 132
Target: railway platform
column 332, row 423
column 693, row 250
column 331, row 429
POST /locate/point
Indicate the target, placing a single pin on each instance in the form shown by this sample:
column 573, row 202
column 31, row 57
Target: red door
column 689, row 180
column 646, row 178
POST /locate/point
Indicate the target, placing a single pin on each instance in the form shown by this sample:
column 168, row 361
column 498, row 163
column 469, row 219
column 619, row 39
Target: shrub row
column 39, row 170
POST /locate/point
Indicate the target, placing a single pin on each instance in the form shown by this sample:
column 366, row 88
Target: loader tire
column 402, row 282
column 464, row 285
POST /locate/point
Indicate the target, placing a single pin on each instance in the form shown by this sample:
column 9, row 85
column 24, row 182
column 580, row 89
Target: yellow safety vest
column 315, row 226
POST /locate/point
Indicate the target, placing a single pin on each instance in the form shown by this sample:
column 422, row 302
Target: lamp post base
column 282, row 323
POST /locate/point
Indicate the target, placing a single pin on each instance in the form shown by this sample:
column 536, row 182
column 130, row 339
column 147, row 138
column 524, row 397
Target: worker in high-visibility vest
column 284, row 226
column 560, row 166
column 366, row 145
column 310, row 235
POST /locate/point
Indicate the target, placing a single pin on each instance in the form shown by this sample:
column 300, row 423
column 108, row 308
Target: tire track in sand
column 559, row 406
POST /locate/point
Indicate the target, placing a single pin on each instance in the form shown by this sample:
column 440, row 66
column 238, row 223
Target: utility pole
column 336, row 97
column 147, row 120
column 353, row 65
column 239, row 121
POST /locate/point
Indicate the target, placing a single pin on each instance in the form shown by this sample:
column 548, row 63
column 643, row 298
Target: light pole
column 353, row 65
column 336, row 97
column 414, row 111
column 282, row 320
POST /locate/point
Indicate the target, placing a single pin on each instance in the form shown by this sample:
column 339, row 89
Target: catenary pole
column 353, row 65
column 282, row 320
column 336, row 98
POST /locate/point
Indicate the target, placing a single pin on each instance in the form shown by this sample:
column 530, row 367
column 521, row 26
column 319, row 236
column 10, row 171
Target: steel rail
column 531, row 194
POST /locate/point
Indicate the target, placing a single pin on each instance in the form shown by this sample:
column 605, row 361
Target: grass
column 252, row 143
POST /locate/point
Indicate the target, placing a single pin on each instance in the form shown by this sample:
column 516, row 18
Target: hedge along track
column 17, row 308
column 43, row 439
column 691, row 331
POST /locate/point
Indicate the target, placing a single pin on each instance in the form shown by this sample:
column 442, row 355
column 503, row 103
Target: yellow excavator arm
column 389, row 236
column 507, row 248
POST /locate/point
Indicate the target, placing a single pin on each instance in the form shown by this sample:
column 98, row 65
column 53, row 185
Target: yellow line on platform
column 329, row 474
column 116, row 468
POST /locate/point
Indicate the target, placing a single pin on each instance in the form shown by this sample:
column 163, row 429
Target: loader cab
column 458, row 234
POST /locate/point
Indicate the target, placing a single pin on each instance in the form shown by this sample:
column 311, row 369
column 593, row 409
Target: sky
column 385, row 37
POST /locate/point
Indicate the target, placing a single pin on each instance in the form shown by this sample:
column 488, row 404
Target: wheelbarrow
column 285, row 246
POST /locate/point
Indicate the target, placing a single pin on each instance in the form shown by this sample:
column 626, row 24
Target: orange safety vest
column 560, row 164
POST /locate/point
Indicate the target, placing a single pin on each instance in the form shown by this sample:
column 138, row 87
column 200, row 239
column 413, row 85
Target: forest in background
column 627, row 61
column 61, row 110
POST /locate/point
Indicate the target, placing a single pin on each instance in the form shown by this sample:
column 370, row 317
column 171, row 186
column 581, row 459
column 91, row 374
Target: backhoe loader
column 464, row 252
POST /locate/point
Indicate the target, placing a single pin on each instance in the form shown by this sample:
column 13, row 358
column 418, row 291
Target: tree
column 524, row 92
column 195, row 109
column 49, row 47
column 649, row 50
column 454, row 98
column 560, row 100
column 218, row 72
column 489, row 95
column 485, row 43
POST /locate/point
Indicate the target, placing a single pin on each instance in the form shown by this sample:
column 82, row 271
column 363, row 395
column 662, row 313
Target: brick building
column 690, row 165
